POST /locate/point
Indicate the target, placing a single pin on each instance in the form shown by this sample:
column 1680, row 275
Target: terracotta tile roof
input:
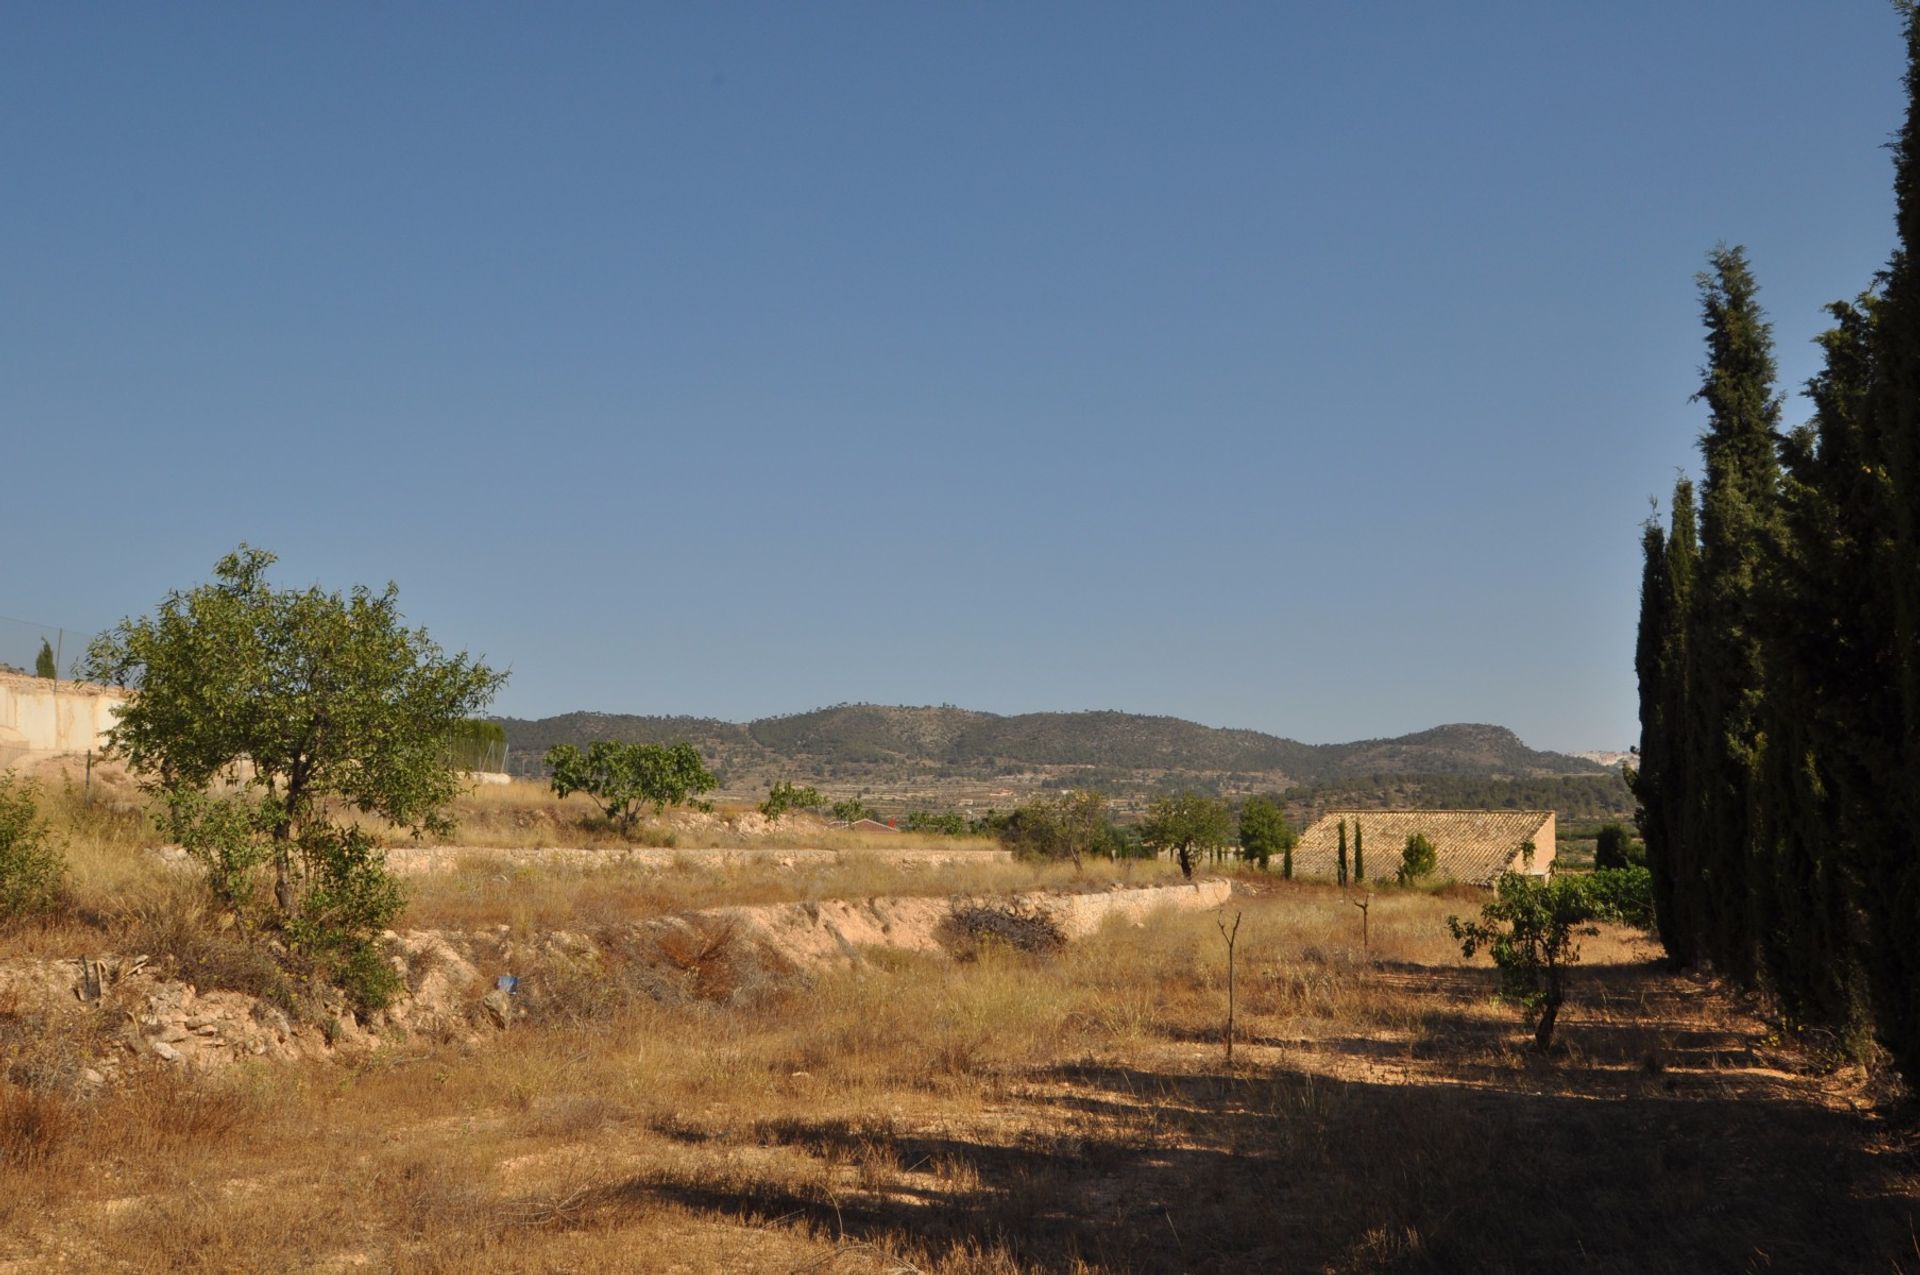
column 1473, row 845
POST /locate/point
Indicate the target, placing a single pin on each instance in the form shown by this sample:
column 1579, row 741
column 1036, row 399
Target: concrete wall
column 43, row 718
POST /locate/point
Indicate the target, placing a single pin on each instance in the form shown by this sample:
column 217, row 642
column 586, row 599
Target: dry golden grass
column 1010, row 1113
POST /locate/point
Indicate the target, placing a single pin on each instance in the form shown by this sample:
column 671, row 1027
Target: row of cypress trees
column 1779, row 658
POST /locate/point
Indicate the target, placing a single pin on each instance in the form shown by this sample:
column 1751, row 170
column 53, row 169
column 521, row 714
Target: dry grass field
column 1060, row 1110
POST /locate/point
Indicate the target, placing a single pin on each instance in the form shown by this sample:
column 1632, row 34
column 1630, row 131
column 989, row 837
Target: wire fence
column 42, row 650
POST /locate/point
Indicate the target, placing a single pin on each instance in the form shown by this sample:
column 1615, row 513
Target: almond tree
column 262, row 713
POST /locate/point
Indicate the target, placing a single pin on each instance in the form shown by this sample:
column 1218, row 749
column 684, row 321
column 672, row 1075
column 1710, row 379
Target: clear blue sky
column 1297, row 367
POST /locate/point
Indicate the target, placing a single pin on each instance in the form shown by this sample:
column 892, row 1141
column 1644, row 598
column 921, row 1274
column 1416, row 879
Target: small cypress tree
column 1341, row 875
column 1359, row 853
column 1610, row 847
column 43, row 665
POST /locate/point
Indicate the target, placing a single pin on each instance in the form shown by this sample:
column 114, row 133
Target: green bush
column 349, row 900
column 947, row 824
column 1624, row 894
column 31, row 870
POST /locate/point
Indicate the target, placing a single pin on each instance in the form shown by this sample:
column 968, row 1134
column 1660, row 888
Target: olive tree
column 1186, row 824
column 261, row 714
column 621, row 777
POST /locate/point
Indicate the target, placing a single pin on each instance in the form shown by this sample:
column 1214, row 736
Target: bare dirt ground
column 996, row 1106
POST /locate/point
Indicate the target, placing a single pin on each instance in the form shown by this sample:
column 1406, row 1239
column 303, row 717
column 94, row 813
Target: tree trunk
column 1186, row 862
column 283, row 868
column 1543, row 1034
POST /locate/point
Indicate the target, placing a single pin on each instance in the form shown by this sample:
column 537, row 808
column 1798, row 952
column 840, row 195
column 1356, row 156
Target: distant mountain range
column 875, row 744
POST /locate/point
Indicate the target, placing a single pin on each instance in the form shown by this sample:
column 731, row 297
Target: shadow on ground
column 1590, row 1163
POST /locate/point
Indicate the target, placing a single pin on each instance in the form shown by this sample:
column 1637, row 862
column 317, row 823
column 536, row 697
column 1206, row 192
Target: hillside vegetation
column 879, row 746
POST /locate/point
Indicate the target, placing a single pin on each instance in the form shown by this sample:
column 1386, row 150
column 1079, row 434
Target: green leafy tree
column 1070, row 826
column 1187, row 824
column 1265, row 832
column 1418, row 859
column 853, row 810
column 784, row 796
column 622, row 778
column 1532, row 930
column 31, row 870
column 1083, row 823
column 43, row 663
column 261, row 713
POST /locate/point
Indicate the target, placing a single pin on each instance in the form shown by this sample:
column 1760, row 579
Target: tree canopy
column 1264, row 830
column 623, row 778
column 1185, row 825
column 260, row 712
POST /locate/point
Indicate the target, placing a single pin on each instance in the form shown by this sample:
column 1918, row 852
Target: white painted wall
column 42, row 718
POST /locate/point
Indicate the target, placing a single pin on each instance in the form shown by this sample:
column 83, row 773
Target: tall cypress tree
column 1739, row 519
column 1652, row 779
column 1884, row 774
column 1663, row 782
column 1341, row 867
column 1817, row 604
column 1359, row 853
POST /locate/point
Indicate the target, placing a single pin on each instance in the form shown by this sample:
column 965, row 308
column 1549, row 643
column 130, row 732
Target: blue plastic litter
column 508, row 984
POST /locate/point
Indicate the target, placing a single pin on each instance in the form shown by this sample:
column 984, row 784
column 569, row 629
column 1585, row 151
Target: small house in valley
column 1473, row 846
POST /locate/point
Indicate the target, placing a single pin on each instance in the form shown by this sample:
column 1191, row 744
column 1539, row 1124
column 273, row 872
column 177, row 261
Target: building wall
column 43, row 718
column 1546, row 844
